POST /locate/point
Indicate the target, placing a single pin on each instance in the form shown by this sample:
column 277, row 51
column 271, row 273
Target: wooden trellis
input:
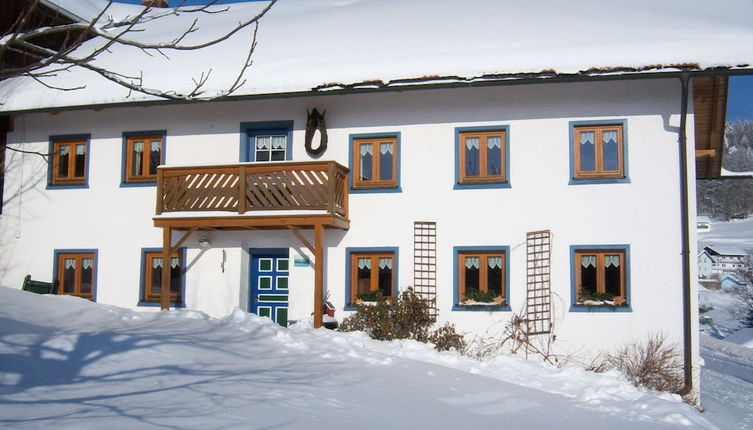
column 538, row 292
column 425, row 262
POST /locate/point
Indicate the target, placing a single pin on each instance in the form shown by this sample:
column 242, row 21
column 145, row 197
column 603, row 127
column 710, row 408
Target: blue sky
column 740, row 98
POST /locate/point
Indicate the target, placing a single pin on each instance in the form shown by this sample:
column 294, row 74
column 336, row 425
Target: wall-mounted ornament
column 315, row 121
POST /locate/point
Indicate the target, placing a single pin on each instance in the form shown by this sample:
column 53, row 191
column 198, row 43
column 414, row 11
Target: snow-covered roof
column 703, row 219
column 323, row 45
column 725, row 250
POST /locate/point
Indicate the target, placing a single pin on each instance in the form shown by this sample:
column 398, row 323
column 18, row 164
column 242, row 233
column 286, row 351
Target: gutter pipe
column 685, row 253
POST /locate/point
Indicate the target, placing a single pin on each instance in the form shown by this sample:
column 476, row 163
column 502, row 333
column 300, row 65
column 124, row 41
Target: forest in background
column 730, row 198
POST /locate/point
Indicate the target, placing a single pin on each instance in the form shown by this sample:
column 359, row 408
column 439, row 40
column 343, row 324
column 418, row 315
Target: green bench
column 40, row 287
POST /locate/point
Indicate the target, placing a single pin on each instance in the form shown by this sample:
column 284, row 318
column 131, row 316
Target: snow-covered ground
column 727, row 347
column 72, row 364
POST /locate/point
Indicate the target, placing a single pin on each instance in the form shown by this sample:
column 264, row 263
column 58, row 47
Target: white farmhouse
column 718, row 260
column 503, row 159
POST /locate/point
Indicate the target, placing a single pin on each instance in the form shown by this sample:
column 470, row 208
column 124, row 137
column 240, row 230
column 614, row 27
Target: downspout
column 685, row 225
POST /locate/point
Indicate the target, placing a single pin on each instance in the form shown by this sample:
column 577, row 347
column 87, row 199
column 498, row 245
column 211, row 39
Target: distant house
column 705, row 263
column 731, row 281
column 703, row 223
column 717, row 260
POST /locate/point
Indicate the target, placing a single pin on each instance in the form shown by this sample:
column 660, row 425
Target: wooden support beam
column 700, row 153
column 318, row 274
column 165, row 281
column 183, row 239
column 303, row 240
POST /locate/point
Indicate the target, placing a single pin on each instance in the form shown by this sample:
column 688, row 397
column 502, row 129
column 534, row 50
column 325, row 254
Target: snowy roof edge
column 430, row 82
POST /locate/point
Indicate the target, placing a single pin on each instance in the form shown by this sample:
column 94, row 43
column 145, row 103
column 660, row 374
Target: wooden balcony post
column 331, row 187
column 319, row 265
column 241, row 189
column 160, row 190
column 165, row 284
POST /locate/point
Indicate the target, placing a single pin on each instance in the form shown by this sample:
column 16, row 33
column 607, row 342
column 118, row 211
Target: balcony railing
column 251, row 187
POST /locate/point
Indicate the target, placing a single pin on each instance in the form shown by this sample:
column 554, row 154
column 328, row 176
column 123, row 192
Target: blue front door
column 270, row 270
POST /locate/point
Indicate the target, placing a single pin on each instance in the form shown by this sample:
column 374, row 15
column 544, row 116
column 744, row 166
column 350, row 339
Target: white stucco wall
column 644, row 213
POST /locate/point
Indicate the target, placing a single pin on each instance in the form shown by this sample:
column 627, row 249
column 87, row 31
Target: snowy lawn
column 73, row 364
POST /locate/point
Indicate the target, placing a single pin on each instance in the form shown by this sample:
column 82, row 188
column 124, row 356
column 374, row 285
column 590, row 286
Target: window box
column 372, row 272
column 481, row 157
column 600, row 277
column 76, row 272
column 70, row 161
column 598, row 152
column 142, row 153
column 375, row 162
column 481, row 278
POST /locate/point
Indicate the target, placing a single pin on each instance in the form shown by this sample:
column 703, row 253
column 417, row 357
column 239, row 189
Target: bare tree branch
column 41, row 62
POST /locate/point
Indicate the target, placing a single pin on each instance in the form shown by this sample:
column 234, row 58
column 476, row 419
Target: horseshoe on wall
column 315, row 121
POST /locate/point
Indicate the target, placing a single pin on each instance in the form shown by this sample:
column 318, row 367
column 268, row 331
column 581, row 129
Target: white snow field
column 72, row 364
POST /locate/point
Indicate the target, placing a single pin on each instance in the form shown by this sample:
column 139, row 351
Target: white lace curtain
column 471, row 143
column 612, row 260
column 495, row 262
column 385, row 148
column 472, row 262
column 366, row 149
column 385, row 263
column 587, row 138
column 86, row 263
column 80, row 149
column 609, row 136
column 494, row 142
column 364, row 263
column 588, row 261
column 70, row 263
column 157, row 262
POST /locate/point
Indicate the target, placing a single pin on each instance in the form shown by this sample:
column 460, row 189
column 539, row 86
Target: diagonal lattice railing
column 249, row 187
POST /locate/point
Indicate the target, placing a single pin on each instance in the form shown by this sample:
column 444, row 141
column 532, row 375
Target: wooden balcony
column 253, row 195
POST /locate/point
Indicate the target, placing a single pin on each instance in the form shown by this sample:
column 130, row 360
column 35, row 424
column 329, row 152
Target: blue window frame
column 369, row 269
column 76, row 272
column 266, row 141
column 151, row 276
column 484, row 269
column 598, row 152
column 374, row 162
column 600, row 278
column 69, row 165
column 142, row 152
column 482, row 157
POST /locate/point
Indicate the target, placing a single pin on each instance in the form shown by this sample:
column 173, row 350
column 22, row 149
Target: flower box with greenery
column 476, row 297
column 590, row 298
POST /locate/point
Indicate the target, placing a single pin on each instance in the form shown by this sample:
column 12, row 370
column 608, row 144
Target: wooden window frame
column 483, row 272
column 599, row 172
column 483, row 176
column 356, row 142
column 600, row 254
column 60, row 257
column 148, row 297
column 71, row 142
column 147, row 138
column 374, row 280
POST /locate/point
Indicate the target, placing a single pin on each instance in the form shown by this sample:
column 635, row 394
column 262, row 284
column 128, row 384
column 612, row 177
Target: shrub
column 446, row 337
column 654, row 364
column 407, row 317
